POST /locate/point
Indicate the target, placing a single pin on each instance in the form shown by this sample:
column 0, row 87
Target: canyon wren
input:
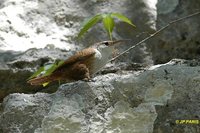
column 81, row 65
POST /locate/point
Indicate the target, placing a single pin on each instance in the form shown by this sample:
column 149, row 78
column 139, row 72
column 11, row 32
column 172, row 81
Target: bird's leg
column 87, row 76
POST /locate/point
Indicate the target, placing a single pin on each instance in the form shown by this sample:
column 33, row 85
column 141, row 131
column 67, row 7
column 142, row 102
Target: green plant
column 108, row 22
column 46, row 70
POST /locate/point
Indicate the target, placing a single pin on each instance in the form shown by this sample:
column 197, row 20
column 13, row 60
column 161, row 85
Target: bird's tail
column 41, row 80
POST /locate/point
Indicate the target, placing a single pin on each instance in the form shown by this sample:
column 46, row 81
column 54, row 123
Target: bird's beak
column 118, row 42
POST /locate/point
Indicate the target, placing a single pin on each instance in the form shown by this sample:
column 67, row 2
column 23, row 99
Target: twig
column 155, row 33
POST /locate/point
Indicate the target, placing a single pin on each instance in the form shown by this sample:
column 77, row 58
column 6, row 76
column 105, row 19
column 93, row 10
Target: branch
column 155, row 33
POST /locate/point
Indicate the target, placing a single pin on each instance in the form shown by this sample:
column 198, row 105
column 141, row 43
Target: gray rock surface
column 40, row 23
column 137, row 102
column 180, row 40
column 24, row 112
column 26, row 24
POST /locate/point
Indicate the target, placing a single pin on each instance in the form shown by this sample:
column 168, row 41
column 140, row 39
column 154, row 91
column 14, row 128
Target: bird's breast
column 100, row 60
column 97, row 55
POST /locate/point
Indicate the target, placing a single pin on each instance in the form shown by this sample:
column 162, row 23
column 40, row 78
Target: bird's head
column 104, row 45
column 104, row 52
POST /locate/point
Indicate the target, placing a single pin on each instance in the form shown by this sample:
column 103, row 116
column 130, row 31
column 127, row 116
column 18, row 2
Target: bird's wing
column 79, row 56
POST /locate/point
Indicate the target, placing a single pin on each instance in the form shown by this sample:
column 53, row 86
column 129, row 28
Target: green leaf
column 38, row 72
column 46, row 70
column 51, row 68
column 60, row 63
column 45, row 84
column 109, row 24
column 122, row 18
column 89, row 23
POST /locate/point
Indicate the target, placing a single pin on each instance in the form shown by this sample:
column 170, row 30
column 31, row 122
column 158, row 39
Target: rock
column 180, row 40
column 123, row 118
column 25, row 113
column 35, row 24
column 142, row 102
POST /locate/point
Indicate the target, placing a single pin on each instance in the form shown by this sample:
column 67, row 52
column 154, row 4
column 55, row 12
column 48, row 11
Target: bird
column 82, row 65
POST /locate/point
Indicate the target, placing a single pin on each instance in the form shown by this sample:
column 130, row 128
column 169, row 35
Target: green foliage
column 51, row 68
column 46, row 71
column 108, row 22
column 38, row 72
column 87, row 24
column 122, row 18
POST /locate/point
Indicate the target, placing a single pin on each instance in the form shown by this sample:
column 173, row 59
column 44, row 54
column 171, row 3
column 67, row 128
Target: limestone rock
column 146, row 101
column 180, row 40
column 40, row 23
column 27, row 24
column 23, row 112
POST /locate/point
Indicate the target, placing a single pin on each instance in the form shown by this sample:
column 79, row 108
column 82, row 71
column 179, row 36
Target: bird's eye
column 106, row 43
